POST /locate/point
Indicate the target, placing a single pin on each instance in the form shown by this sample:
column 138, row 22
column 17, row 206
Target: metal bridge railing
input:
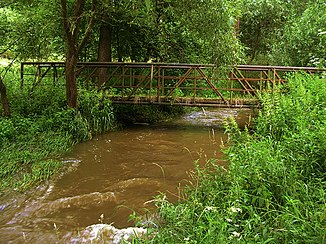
column 170, row 83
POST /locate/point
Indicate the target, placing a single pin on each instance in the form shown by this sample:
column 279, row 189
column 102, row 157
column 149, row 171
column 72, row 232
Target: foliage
column 96, row 107
column 271, row 31
column 278, row 32
column 130, row 114
column 163, row 30
column 42, row 128
column 212, row 23
column 30, row 35
column 303, row 39
column 274, row 187
column 259, row 22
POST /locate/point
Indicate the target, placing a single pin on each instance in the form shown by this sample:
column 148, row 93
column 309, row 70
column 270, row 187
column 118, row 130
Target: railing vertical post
column 195, row 83
column 274, row 78
column 158, row 83
column 130, row 78
column 123, row 81
column 261, row 81
column 163, row 82
column 151, row 82
column 231, row 87
column 39, row 72
column 55, row 74
column 21, row 75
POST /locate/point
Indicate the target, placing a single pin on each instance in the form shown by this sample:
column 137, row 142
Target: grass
column 274, row 188
column 42, row 128
column 29, row 146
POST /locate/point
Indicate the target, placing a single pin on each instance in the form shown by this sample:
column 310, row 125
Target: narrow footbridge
column 169, row 83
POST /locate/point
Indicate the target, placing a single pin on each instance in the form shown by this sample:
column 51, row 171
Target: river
column 114, row 175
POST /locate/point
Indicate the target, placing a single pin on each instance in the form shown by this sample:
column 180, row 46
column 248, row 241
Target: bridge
column 169, row 83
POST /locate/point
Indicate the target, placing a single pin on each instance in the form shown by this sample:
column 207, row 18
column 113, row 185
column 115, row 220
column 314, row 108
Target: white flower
column 236, row 234
column 210, row 208
column 235, row 210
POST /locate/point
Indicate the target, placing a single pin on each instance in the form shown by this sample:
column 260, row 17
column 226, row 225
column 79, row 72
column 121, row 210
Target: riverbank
column 42, row 128
column 273, row 190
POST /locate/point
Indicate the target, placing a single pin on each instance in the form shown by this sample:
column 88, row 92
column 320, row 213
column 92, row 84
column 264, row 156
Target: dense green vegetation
column 273, row 190
column 42, row 128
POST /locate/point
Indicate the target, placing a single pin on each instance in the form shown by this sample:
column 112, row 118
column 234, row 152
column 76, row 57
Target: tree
column 4, row 99
column 7, row 16
column 212, row 23
column 168, row 31
column 260, row 21
column 75, row 43
column 303, row 39
column 104, row 53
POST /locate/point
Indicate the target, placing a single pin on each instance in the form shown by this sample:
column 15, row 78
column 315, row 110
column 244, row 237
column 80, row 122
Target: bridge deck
column 169, row 83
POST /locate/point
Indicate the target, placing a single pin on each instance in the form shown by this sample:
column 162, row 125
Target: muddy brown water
column 114, row 175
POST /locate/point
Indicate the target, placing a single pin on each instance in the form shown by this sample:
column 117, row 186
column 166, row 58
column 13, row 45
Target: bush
column 130, row 114
column 69, row 122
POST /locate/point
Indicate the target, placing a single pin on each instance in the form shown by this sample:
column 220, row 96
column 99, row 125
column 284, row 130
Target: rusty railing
column 169, row 83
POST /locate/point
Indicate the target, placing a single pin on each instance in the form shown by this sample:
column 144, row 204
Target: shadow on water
column 115, row 174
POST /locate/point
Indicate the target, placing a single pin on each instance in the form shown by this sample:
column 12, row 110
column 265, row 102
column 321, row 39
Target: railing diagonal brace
column 181, row 80
column 212, row 85
column 245, row 81
column 141, row 82
column 111, row 75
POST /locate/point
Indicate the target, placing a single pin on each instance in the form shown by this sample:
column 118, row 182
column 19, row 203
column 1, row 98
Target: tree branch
column 77, row 17
column 66, row 24
column 89, row 28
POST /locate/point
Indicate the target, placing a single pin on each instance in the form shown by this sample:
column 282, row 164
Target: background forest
column 272, row 32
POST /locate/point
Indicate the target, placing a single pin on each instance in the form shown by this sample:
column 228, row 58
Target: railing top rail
column 283, row 68
column 126, row 64
column 176, row 65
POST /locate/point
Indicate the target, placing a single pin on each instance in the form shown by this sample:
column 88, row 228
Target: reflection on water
column 114, row 175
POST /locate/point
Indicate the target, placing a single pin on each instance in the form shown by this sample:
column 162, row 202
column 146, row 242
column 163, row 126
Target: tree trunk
column 119, row 48
column 104, row 50
column 256, row 46
column 237, row 28
column 74, row 45
column 4, row 99
column 71, row 83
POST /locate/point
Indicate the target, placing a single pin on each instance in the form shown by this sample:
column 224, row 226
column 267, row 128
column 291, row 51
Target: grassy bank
column 274, row 188
column 42, row 128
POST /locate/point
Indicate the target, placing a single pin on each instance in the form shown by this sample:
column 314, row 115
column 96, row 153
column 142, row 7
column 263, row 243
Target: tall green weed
column 96, row 108
column 42, row 128
column 273, row 190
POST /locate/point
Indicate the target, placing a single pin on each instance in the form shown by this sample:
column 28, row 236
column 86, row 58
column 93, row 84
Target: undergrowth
column 273, row 190
column 42, row 128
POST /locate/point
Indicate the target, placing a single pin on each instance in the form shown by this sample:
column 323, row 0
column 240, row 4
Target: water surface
column 114, row 175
